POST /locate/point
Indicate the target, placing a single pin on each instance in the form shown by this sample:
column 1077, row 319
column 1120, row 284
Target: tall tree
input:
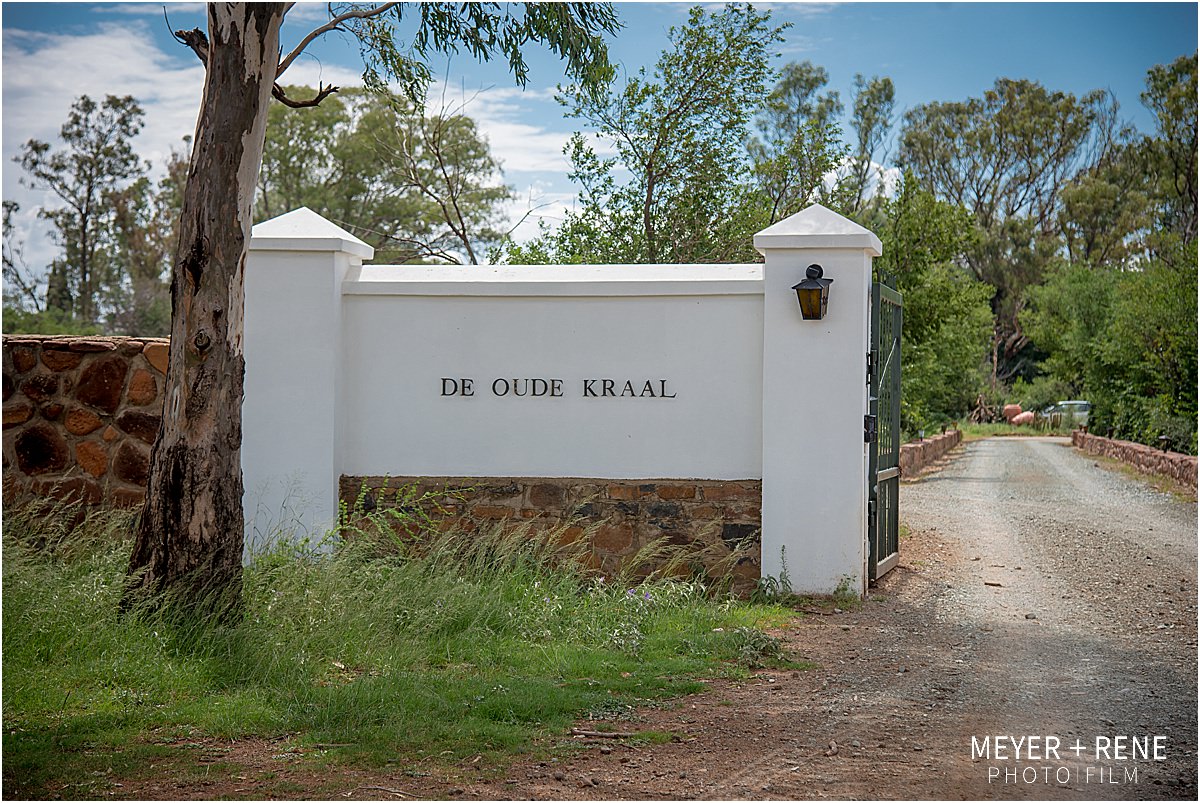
column 145, row 229
column 415, row 184
column 1006, row 158
column 1117, row 319
column 798, row 143
column 871, row 122
column 96, row 163
column 678, row 133
column 190, row 535
column 1171, row 95
column 947, row 320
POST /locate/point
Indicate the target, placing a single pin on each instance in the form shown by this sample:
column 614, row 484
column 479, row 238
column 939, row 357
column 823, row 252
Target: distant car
column 1073, row 413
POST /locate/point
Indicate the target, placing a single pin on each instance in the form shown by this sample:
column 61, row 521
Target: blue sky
column 52, row 52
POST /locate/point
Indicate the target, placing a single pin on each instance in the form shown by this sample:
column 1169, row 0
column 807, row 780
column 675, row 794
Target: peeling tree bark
column 190, row 537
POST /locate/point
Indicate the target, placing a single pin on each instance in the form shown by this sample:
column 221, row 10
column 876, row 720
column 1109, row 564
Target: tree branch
column 332, row 25
column 197, row 41
column 322, row 93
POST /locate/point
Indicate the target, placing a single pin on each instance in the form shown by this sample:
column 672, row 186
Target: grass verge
column 438, row 647
column 974, row 432
column 1159, row 482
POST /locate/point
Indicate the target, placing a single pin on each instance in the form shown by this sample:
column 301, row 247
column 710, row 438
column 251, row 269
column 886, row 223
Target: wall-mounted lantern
column 813, row 293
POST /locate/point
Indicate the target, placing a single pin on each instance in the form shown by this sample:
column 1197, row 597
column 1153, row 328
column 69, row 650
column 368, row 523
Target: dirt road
column 1038, row 595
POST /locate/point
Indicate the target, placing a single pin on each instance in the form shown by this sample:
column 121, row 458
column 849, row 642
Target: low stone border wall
column 917, row 455
column 627, row 514
column 80, row 414
column 1146, row 459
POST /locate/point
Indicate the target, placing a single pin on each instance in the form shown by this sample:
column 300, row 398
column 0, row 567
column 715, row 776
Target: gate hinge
column 869, row 428
column 871, row 515
column 870, row 366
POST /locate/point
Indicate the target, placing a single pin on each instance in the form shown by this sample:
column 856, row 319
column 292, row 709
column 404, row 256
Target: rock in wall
column 80, row 415
column 1181, row 467
column 915, row 455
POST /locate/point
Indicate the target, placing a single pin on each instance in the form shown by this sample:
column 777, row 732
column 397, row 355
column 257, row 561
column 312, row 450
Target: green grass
column 446, row 646
column 974, row 432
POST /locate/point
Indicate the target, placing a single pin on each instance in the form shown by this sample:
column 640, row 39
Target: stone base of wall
column 623, row 516
column 919, row 454
column 1180, row 467
column 80, row 414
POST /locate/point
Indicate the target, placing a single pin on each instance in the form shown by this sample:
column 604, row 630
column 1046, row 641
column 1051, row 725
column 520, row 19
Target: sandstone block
column 142, row 426
column 75, row 489
column 92, row 458
column 24, row 358
column 101, row 383
column 157, row 354
column 92, row 345
column 52, row 411
column 17, row 413
column 614, row 538
column 672, row 492
column 61, row 360
column 9, row 387
column 127, row 497
column 728, row 491
column 40, row 387
column 110, row 434
column 546, row 496
column 143, row 388
column 569, row 535
column 40, row 450
column 81, row 421
column 494, row 512
column 132, row 464
column 629, row 493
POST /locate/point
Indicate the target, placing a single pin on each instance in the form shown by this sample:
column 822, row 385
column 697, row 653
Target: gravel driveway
column 1073, row 590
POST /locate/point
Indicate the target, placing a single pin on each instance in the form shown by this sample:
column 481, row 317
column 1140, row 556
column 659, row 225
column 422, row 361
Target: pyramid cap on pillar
column 304, row 230
column 817, row 227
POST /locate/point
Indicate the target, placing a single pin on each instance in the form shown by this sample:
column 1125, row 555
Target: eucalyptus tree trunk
column 190, row 537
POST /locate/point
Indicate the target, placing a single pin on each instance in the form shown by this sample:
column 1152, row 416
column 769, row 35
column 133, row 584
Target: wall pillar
column 291, row 445
column 814, row 399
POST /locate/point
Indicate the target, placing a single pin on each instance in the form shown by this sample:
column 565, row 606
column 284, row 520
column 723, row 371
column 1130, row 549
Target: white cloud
column 45, row 72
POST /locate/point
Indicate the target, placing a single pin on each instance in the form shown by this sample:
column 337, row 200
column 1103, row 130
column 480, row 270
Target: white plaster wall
column 815, row 397
column 399, row 343
column 292, row 386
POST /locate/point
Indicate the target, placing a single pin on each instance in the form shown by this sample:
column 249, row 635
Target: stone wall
column 80, row 414
column 917, row 455
column 1180, row 467
column 623, row 515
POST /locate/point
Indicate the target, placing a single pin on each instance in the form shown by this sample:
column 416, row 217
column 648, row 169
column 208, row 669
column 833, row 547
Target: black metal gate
column 883, row 423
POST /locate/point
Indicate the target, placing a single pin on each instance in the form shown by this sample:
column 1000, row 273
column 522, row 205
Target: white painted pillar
column 291, row 445
column 814, row 399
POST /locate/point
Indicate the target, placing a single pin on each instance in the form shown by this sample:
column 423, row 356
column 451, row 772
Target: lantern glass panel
column 812, row 306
